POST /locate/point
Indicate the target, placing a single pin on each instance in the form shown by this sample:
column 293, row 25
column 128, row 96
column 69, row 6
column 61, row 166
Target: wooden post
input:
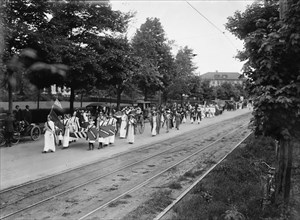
column 283, row 8
column 284, row 168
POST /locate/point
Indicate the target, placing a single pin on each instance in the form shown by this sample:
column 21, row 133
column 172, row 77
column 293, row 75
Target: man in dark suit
column 18, row 113
column 27, row 115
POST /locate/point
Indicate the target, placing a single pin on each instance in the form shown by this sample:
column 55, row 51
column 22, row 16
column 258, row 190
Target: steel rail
column 98, row 161
column 168, row 208
column 105, row 175
column 145, row 147
column 156, row 175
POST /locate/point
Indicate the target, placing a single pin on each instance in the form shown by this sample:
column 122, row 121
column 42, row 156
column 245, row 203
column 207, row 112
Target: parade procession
column 105, row 125
column 159, row 110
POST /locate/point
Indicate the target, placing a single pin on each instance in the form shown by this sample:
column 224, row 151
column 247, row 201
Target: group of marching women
column 102, row 128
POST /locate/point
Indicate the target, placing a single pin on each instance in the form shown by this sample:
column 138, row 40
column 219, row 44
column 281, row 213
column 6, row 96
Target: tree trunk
column 181, row 99
column 119, row 92
column 146, row 94
column 283, row 169
column 38, row 98
column 81, row 98
column 21, row 92
column 72, row 98
column 10, row 98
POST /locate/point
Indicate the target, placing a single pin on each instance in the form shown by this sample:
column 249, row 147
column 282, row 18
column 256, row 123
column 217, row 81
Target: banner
column 56, row 120
column 78, row 134
column 58, row 104
column 108, row 129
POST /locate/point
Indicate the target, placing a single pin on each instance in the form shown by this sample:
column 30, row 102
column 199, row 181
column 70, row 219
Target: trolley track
column 164, row 214
column 78, row 169
column 162, row 180
column 176, row 142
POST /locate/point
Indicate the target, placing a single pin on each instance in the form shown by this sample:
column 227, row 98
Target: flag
column 111, row 129
column 56, row 120
column 58, row 104
column 78, row 134
column 92, row 133
column 107, row 129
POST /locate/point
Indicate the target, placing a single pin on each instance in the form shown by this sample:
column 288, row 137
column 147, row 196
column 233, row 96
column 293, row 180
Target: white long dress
column 113, row 122
column 154, row 124
column 74, row 127
column 130, row 131
column 106, row 139
column 49, row 140
column 123, row 126
column 66, row 138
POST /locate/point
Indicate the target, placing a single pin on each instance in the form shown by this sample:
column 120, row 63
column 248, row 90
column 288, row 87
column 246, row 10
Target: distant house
column 217, row 78
column 64, row 91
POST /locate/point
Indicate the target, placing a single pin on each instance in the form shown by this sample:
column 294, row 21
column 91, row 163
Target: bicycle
column 15, row 139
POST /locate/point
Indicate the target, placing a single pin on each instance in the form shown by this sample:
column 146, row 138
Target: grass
column 175, row 185
column 157, row 202
column 233, row 189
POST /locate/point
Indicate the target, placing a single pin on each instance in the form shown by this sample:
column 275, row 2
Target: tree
column 20, row 21
column 81, row 29
column 120, row 65
column 272, row 53
column 182, row 80
column 150, row 44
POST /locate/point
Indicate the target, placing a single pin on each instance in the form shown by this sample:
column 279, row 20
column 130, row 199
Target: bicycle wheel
column 35, row 133
column 16, row 138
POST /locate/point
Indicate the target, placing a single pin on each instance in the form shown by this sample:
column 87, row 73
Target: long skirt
column 111, row 139
column 130, row 135
column 49, row 141
column 154, row 131
column 72, row 130
column 100, row 140
column 106, row 140
column 184, row 119
column 66, row 138
column 123, row 129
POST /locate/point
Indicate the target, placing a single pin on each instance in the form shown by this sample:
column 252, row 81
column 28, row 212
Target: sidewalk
column 25, row 161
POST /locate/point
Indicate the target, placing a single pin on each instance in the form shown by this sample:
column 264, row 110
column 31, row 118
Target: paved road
column 25, row 162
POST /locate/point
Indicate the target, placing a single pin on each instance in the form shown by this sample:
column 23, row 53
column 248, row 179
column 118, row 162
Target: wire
column 223, row 32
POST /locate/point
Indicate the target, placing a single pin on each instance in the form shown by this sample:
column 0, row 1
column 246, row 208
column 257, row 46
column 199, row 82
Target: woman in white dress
column 130, row 128
column 153, row 123
column 66, row 138
column 113, row 122
column 100, row 122
column 49, row 140
column 123, row 126
column 74, row 126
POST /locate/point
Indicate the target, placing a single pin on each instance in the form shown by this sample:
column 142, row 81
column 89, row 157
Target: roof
column 221, row 75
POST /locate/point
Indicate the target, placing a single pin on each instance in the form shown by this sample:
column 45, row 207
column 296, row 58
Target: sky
column 214, row 45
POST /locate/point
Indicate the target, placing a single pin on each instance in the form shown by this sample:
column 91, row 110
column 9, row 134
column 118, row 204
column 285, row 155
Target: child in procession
column 91, row 134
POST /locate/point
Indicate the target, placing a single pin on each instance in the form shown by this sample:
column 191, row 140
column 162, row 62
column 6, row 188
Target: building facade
column 218, row 78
